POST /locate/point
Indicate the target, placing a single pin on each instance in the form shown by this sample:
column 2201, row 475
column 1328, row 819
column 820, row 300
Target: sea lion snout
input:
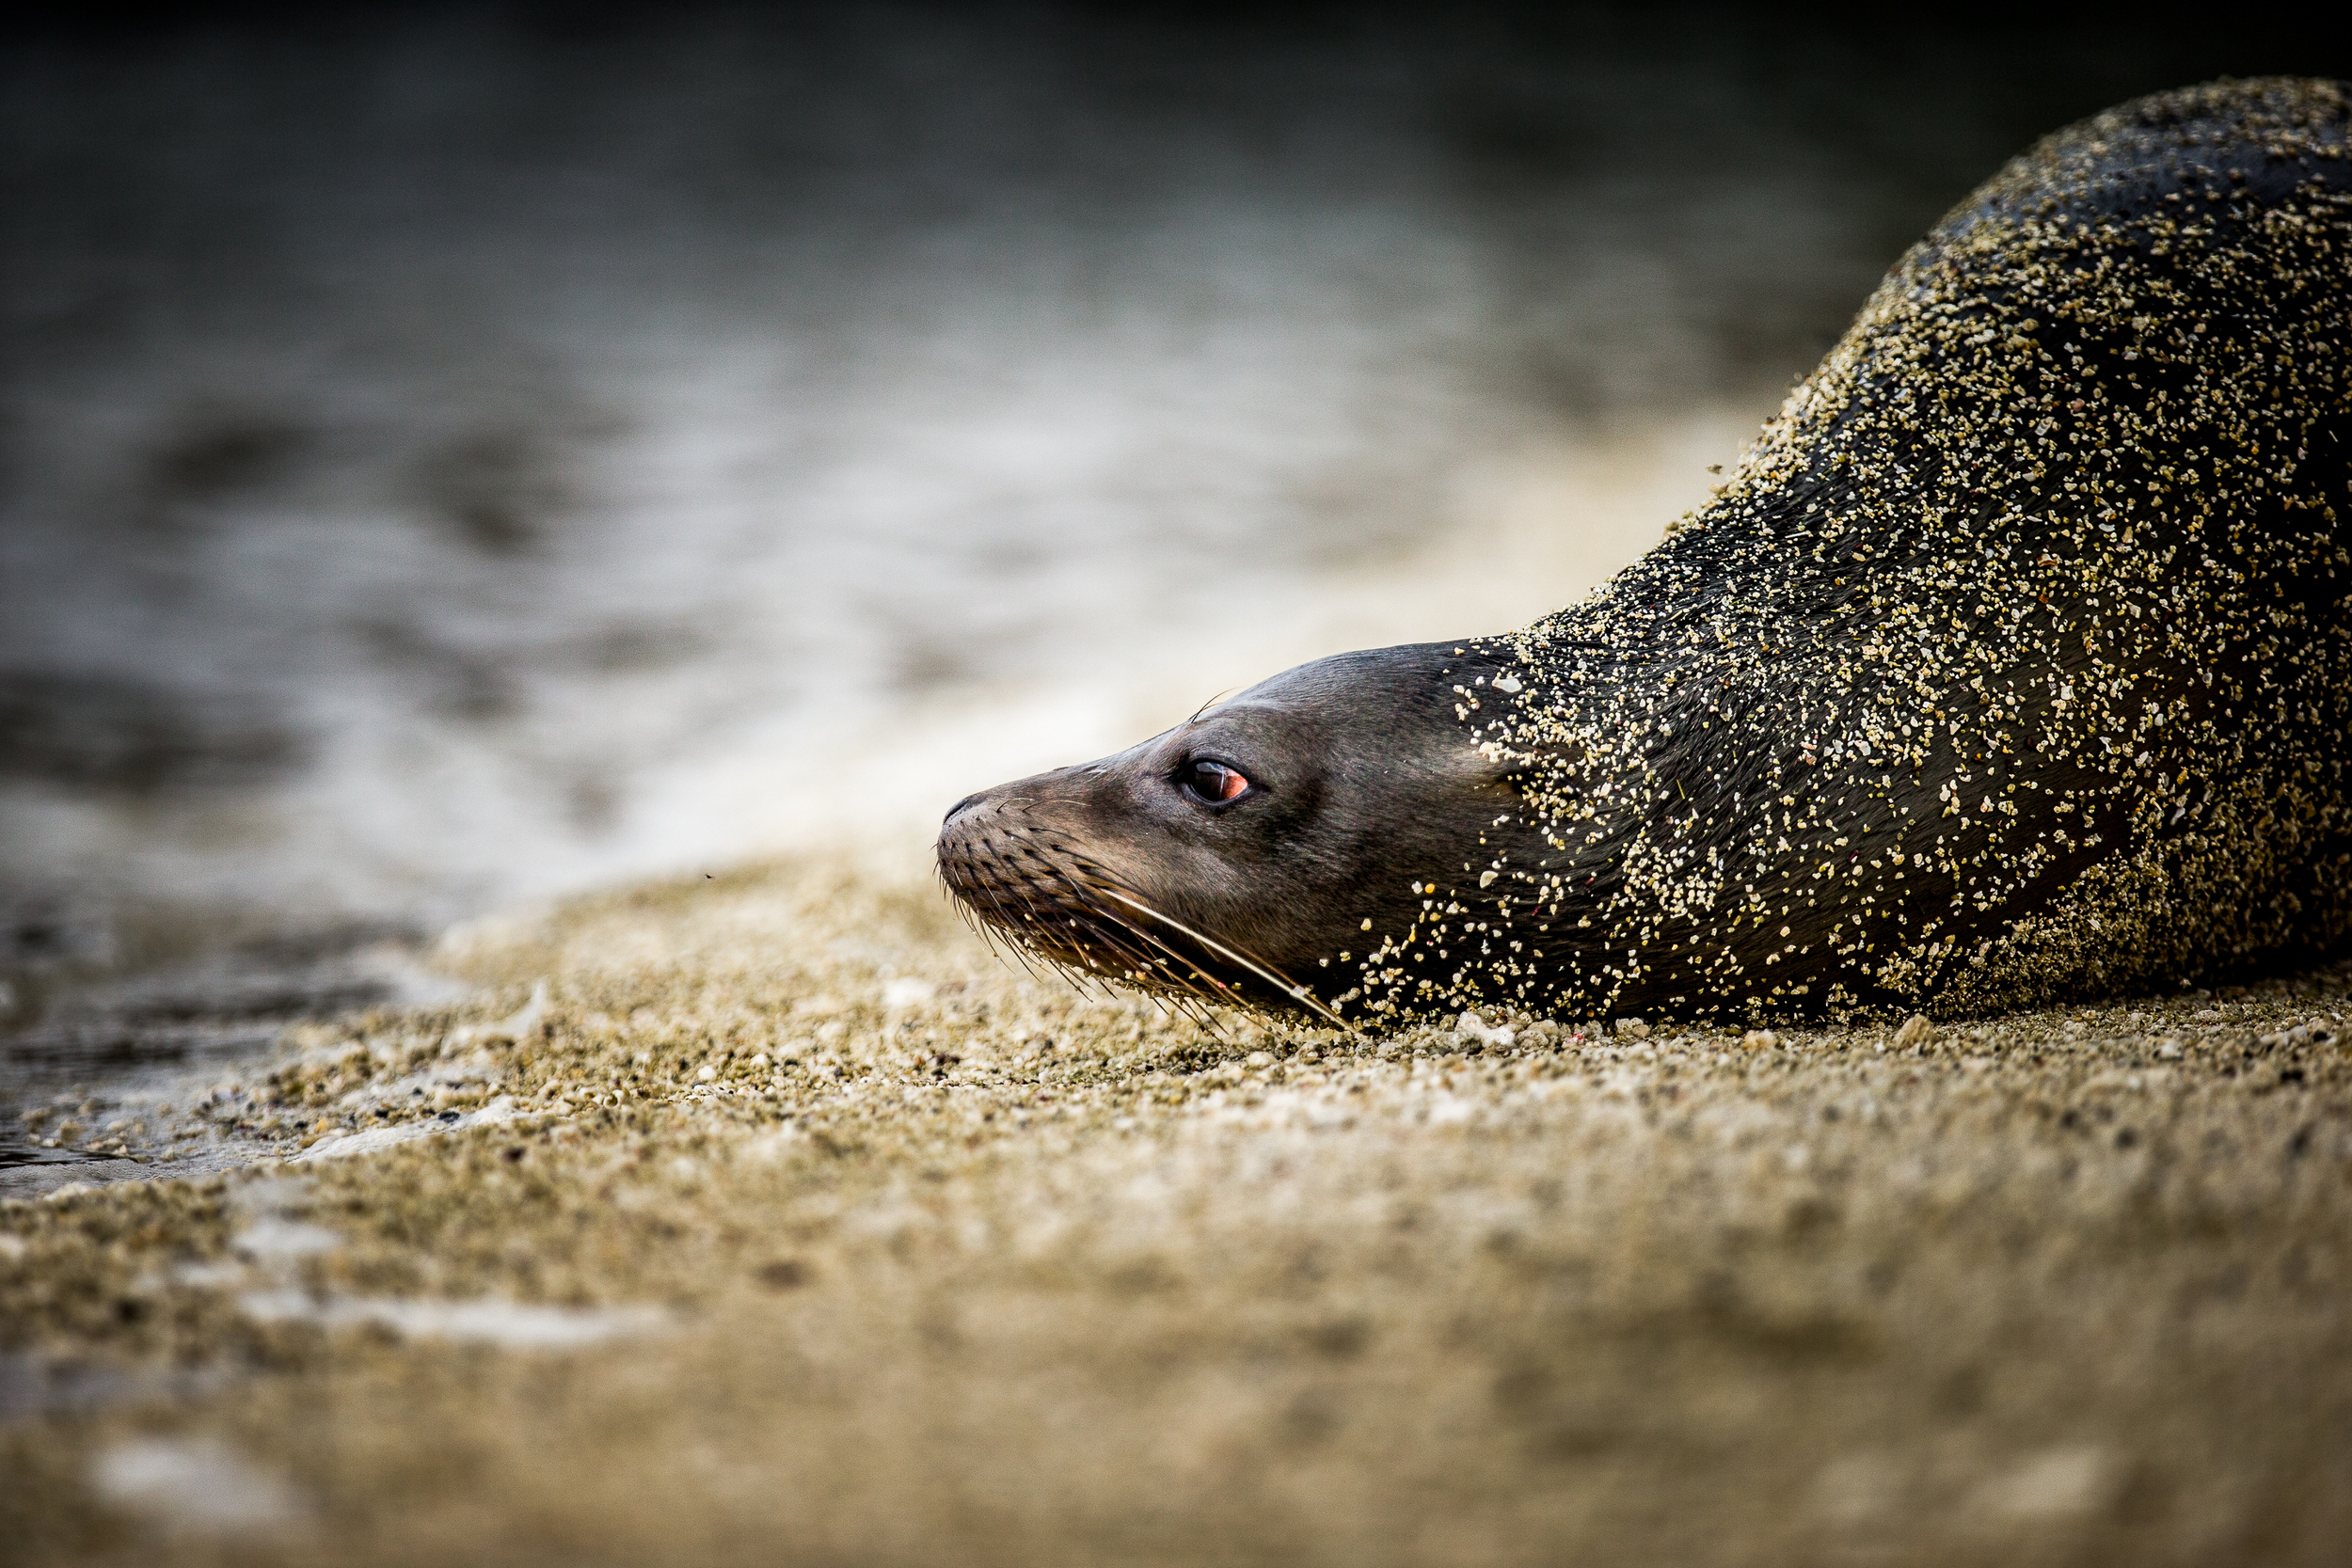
column 1083, row 867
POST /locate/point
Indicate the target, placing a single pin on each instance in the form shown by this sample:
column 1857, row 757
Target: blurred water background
column 449, row 457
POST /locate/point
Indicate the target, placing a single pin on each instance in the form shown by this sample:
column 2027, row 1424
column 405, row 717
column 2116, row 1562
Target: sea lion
column 2011, row 664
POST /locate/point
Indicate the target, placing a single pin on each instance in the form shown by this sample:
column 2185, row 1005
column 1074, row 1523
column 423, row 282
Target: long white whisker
column 1297, row 993
column 1226, row 992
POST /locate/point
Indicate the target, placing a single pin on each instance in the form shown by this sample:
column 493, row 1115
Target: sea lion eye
column 1212, row 782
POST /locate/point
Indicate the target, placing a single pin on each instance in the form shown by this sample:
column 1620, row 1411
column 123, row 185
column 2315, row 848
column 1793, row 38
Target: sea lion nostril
column 956, row 810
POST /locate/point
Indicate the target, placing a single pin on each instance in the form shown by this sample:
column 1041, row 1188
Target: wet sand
column 769, row 1218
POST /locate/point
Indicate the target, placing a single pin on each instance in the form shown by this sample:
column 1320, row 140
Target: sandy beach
column 768, row 1217
column 451, row 461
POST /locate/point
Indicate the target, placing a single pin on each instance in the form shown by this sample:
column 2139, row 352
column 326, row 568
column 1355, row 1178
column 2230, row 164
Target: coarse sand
column 769, row 1218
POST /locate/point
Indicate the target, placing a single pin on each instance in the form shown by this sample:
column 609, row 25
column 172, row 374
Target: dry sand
column 788, row 1226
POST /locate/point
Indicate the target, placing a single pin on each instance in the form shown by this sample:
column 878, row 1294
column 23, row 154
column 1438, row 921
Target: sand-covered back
column 787, row 1225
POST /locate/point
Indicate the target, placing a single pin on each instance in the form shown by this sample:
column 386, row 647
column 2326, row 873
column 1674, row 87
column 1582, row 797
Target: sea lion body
column 2011, row 664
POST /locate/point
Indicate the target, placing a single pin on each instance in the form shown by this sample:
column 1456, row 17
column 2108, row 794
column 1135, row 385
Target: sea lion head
column 1250, row 853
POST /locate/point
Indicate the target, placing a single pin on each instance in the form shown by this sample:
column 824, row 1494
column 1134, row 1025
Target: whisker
column 1205, row 706
column 1264, row 972
column 1189, row 977
column 1050, row 903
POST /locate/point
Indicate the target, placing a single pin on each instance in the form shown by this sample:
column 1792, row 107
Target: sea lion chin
column 2013, row 664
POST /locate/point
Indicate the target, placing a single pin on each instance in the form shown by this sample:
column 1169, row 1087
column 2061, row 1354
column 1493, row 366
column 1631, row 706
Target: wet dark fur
column 1678, row 811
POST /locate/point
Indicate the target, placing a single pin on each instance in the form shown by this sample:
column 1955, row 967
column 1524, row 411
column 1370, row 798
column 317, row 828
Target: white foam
column 514, row 1326
column 2049, row 1485
column 274, row 1240
column 339, row 1146
column 194, row 1485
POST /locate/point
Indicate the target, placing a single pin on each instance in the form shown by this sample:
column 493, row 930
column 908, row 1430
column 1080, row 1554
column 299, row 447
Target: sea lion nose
column 959, row 807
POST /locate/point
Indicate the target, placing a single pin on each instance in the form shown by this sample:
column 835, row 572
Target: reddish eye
column 1213, row 782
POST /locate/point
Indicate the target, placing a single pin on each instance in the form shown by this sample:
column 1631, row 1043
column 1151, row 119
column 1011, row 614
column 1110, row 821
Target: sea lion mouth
column 1015, row 876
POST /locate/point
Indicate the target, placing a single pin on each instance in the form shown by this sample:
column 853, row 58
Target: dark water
column 453, row 456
